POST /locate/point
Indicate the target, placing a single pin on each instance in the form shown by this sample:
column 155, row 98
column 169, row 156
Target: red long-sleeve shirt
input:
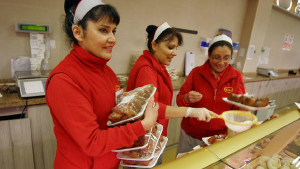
column 147, row 70
column 202, row 80
column 80, row 93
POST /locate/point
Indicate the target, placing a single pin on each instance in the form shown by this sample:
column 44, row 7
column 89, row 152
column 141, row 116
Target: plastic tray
column 245, row 106
column 140, row 114
column 146, row 158
column 147, row 138
column 154, row 159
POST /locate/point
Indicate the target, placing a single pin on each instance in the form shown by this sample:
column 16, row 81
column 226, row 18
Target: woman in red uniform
column 205, row 86
column 80, row 92
column 150, row 68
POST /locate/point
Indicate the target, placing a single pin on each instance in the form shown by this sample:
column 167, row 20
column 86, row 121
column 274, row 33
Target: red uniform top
column 202, row 80
column 80, row 93
column 147, row 70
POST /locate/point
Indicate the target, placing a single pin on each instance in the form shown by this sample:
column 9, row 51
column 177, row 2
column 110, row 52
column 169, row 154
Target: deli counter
column 277, row 136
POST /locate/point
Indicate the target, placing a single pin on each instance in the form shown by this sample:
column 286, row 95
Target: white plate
column 121, row 156
column 109, row 123
column 147, row 138
column 205, row 139
column 245, row 106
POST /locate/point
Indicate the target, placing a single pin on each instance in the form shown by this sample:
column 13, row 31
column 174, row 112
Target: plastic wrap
column 131, row 105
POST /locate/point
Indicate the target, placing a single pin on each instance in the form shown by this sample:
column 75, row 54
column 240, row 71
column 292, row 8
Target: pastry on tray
column 249, row 100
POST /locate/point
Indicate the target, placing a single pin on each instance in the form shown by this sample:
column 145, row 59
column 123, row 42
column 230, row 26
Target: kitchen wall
column 206, row 17
column 279, row 25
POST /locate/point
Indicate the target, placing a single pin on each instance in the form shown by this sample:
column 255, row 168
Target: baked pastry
column 249, row 100
column 216, row 138
column 262, row 102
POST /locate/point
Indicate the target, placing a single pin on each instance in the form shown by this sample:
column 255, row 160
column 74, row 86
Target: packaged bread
column 130, row 103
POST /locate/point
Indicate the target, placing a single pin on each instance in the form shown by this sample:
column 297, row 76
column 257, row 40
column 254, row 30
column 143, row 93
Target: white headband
column 83, row 7
column 222, row 37
column 160, row 29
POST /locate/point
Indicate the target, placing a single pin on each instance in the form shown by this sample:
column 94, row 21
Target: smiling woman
column 80, row 91
column 150, row 68
column 205, row 86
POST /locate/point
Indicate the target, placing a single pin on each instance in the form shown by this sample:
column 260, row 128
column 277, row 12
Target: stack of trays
column 154, row 145
column 173, row 73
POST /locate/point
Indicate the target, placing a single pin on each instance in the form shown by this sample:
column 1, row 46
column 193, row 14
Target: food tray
column 245, row 106
column 154, row 159
column 140, row 114
column 147, row 138
column 163, row 146
column 150, row 165
column 205, row 140
column 125, row 157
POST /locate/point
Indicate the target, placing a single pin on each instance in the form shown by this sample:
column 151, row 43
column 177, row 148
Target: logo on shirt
column 118, row 87
column 228, row 89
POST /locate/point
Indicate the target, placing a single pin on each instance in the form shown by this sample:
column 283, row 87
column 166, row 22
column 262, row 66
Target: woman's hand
column 202, row 114
column 192, row 97
column 150, row 115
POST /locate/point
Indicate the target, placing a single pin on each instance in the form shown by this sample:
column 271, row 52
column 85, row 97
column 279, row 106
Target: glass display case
column 278, row 136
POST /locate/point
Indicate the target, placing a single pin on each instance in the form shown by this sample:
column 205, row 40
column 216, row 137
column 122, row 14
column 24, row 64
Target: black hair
column 95, row 14
column 220, row 43
column 167, row 35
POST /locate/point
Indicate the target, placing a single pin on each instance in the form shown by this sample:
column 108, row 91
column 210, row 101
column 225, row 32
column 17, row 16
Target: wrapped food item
column 149, row 149
column 130, row 103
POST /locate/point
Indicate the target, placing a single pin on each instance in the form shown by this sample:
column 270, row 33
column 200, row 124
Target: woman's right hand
column 150, row 115
column 192, row 97
column 202, row 114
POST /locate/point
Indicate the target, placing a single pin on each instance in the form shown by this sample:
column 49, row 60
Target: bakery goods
column 249, row 100
column 216, row 138
column 130, row 103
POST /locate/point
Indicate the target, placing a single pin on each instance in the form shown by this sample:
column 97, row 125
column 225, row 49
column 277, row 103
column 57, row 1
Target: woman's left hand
column 151, row 113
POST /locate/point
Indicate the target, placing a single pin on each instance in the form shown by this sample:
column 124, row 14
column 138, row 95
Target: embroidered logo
column 118, row 87
column 228, row 89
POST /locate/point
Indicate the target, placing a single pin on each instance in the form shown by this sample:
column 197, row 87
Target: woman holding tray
column 80, row 92
column 150, row 68
column 205, row 86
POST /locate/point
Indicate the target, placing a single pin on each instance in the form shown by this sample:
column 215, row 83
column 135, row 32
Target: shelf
column 280, row 9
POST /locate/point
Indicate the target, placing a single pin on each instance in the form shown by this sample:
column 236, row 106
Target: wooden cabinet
column 283, row 91
column 28, row 143
column 43, row 137
column 15, row 144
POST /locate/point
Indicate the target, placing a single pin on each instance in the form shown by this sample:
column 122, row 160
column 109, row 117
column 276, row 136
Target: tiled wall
column 204, row 16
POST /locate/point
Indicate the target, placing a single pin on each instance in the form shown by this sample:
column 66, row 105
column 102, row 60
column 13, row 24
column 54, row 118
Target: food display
column 131, row 105
column 249, row 100
column 276, row 161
